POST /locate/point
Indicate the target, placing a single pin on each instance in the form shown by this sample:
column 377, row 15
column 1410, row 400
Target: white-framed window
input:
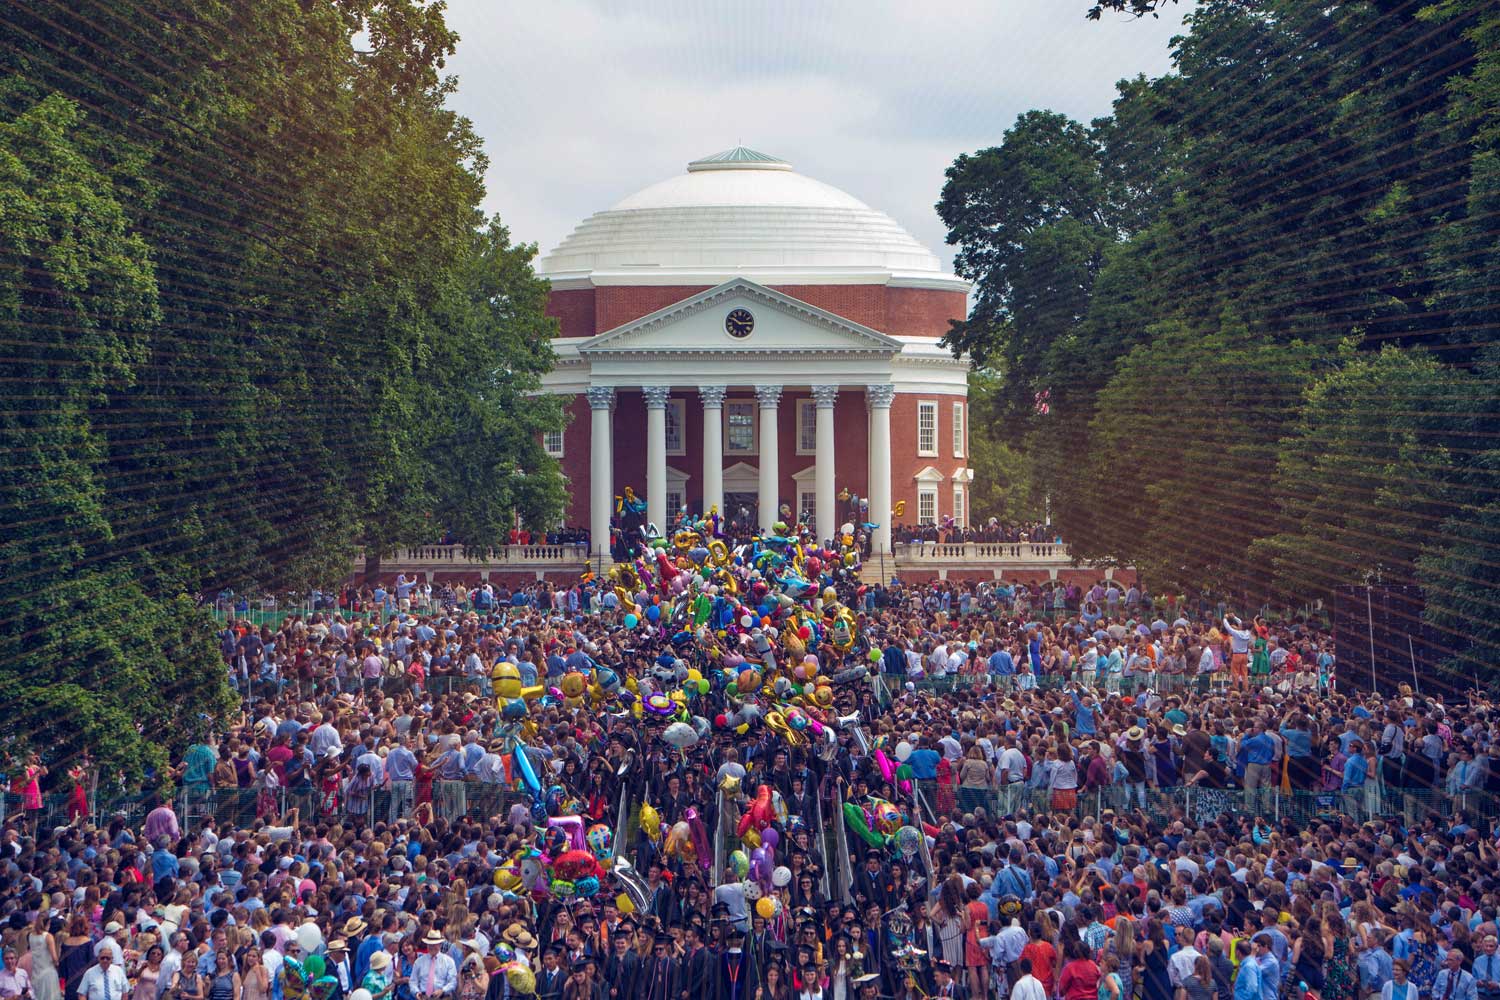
column 807, row 506
column 807, row 427
column 958, row 430
column 960, row 513
column 927, row 505
column 739, row 427
column 674, row 503
column 552, row 443
column 676, row 421
column 927, row 428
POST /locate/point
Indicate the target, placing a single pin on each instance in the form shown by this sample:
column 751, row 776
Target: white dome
column 742, row 212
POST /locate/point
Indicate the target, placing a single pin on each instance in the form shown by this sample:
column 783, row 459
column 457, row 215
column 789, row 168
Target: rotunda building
column 744, row 338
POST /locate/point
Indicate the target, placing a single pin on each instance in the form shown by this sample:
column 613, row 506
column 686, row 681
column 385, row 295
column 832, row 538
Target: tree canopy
column 243, row 251
column 1265, row 337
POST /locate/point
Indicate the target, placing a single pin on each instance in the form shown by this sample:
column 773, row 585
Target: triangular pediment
column 779, row 324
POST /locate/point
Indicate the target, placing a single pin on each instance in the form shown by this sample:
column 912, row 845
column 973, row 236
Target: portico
column 746, row 339
column 681, row 366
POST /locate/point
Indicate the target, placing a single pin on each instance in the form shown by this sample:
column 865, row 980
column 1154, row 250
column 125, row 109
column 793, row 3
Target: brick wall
column 584, row 312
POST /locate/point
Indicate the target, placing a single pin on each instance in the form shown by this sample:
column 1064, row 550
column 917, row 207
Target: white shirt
column 1013, row 762
column 97, row 984
column 1180, row 965
column 1028, row 987
column 444, row 976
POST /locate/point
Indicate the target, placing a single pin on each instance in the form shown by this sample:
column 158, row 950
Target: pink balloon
column 573, row 827
column 887, row 769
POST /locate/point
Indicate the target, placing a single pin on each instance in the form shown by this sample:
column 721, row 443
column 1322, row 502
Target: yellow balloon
column 751, row 839
column 651, row 822
column 522, row 980
column 623, row 904
column 766, row 907
column 694, row 675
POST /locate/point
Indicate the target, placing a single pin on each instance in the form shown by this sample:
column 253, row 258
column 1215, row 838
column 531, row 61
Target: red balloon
column 804, row 633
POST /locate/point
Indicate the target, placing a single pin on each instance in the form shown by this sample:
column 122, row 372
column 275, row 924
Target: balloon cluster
column 569, row 862
column 881, row 823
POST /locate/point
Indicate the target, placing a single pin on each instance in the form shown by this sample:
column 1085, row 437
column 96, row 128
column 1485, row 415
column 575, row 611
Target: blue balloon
column 653, row 613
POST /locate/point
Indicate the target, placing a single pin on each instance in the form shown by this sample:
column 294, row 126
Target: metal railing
column 245, row 807
column 1202, row 804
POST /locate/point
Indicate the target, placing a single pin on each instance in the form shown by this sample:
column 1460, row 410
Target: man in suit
column 341, row 967
column 550, row 979
column 660, row 901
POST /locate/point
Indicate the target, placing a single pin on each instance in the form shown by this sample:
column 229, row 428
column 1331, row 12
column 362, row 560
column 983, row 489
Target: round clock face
column 739, row 323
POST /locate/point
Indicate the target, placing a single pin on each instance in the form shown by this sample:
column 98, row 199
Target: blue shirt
column 1247, row 983
column 1259, row 749
column 1355, row 771
column 1001, row 663
column 1083, row 717
column 1270, row 977
column 924, row 764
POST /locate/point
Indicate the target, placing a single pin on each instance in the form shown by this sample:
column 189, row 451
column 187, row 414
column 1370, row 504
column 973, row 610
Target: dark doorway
column 742, row 511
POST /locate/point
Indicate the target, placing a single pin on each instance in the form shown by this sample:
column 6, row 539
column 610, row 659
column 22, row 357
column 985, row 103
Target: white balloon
column 903, row 750
column 360, row 994
column 309, row 938
column 680, row 735
column 752, row 889
column 781, row 876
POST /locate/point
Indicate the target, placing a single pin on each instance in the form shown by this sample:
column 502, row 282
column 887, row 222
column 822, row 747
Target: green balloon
column 874, row 656
column 703, row 685
column 314, row 966
column 731, row 688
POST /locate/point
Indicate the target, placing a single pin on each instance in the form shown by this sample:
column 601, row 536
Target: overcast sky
column 582, row 103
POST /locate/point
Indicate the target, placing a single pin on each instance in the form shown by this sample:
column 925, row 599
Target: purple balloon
column 769, row 838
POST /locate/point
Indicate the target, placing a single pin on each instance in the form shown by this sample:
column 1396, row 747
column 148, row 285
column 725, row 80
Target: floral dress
column 1338, row 973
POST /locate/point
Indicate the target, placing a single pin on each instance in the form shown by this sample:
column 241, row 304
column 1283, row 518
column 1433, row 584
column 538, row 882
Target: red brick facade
column 896, row 311
column 900, row 312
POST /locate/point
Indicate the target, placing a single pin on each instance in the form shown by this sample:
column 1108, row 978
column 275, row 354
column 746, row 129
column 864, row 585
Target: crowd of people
column 1035, row 792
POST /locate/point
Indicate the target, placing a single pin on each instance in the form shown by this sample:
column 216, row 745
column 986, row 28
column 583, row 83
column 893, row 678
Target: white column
column 713, row 446
column 656, row 453
column 825, row 511
column 879, row 398
column 601, row 479
column 769, row 398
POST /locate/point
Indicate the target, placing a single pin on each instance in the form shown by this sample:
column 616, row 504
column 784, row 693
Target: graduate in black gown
column 622, row 966
column 659, row 973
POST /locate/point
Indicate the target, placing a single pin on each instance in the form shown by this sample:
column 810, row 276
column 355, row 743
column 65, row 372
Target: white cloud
column 581, row 104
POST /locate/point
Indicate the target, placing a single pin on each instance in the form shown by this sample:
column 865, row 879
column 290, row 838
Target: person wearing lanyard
column 106, row 980
column 1486, row 970
column 1452, row 982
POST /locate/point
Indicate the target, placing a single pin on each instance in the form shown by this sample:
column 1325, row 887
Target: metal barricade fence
column 246, row 807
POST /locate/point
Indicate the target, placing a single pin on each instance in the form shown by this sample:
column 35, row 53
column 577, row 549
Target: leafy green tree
column 1028, row 219
column 1004, row 486
column 89, row 659
column 1363, row 436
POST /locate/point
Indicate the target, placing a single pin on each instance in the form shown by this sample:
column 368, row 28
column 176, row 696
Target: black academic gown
column 659, row 979
column 700, row 974
column 620, row 972
column 549, row 985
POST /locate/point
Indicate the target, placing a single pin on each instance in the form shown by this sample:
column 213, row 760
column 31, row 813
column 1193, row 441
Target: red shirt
column 1043, row 961
column 1080, row 980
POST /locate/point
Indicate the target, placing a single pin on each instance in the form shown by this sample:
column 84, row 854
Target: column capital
column 656, row 396
column 880, row 397
column 601, row 397
column 824, row 396
column 712, row 395
column 768, row 396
